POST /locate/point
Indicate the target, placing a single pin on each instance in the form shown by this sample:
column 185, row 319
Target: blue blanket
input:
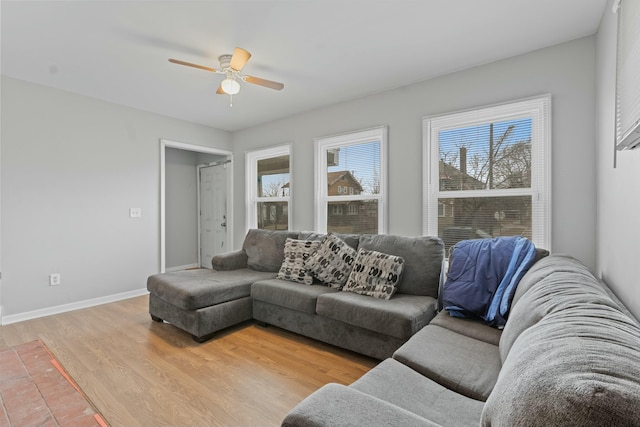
column 483, row 276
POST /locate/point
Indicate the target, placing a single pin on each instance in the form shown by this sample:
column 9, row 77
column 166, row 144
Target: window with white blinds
column 487, row 173
column 351, row 182
column 628, row 75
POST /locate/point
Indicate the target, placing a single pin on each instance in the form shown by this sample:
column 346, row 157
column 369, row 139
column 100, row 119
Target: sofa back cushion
column 265, row 248
column 353, row 240
column 577, row 366
column 546, row 266
column 554, row 283
column 570, row 353
column 422, row 256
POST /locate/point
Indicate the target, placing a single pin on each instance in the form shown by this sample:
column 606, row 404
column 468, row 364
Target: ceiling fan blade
column 220, row 91
column 239, row 59
column 263, row 82
column 189, row 64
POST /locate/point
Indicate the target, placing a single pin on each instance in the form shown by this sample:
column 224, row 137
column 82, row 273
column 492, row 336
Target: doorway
column 225, row 190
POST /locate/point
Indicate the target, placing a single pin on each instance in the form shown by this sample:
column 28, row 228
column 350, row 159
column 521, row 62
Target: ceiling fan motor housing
column 225, row 61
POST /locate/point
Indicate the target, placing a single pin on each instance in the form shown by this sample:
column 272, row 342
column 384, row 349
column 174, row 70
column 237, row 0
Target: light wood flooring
column 141, row 373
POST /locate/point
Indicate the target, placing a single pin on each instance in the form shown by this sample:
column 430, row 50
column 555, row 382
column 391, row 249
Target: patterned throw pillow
column 295, row 252
column 375, row 274
column 332, row 262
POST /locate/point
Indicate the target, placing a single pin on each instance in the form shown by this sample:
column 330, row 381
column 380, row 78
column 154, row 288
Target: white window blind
column 628, row 75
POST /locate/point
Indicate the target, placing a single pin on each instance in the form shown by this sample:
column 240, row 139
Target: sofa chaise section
column 201, row 301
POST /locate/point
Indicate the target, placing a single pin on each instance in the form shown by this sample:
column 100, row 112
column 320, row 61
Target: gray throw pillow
column 295, row 253
column 375, row 274
column 332, row 262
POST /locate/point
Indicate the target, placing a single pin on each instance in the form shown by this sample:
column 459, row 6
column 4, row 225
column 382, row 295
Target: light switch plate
column 135, row 212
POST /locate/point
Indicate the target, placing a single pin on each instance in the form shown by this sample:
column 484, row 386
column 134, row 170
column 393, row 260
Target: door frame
column 199, row 196
column 164, row 144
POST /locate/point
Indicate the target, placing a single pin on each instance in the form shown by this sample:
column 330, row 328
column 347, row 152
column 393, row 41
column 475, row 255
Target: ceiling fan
column 231, row 66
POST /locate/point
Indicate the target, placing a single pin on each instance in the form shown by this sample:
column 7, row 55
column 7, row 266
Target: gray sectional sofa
column 569, row 355
column 243, row 284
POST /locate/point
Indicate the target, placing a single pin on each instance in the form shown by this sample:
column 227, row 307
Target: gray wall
column 71, row 168
column 181, row 205
column 566, row 71
column 181, row 227
column 618, row 189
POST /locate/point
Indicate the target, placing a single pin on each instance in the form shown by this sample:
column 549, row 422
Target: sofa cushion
column 460, row 363
column 547, row 266
column 311, row 235
column 400, row 317
column 265, row 248
column 423, row 257
column 374, row 274
column 194, row 289
column 468, row 327
column 564, row 283
column 295, row 253
column 230, row 260
column 337, row 405
column 353, row 240
column 576, row 366
column 289, row 294
column 400, row 385
column 332, row 262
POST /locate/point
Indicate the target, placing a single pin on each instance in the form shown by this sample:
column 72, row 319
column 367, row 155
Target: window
column 627, row 76
column 487, row 173
column 268, row 191
column 351, row 170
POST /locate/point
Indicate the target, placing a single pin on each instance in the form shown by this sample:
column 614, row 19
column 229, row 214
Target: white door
column 213, row 212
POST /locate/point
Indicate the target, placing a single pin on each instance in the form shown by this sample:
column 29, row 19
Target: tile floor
column 36, row 391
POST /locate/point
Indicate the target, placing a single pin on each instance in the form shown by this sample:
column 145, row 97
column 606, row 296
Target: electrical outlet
column 135, row 212
column 54, row 279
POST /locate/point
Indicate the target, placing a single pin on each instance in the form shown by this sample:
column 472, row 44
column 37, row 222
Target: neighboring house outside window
column 268, row 182
column 351, row 179
column 487, row 173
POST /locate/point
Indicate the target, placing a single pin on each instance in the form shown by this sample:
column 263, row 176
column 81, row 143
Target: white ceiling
column 324, row 51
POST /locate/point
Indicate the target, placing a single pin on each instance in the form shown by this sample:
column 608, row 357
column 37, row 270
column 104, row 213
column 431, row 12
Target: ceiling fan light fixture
column 230, row 86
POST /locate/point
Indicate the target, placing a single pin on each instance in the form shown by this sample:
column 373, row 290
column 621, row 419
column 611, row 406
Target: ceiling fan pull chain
column 230, row 101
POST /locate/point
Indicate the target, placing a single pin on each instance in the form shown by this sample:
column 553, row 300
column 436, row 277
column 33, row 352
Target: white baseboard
column 20, row 317
column 181, row 267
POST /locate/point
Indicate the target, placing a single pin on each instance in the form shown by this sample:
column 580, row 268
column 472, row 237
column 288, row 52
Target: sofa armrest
column 230, row 260
column 334, row 405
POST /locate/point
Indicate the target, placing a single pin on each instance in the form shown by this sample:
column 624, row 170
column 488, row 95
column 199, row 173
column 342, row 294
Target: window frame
column 627, row 82
column 539, row 109
column 251, row 175
column 322, row 199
